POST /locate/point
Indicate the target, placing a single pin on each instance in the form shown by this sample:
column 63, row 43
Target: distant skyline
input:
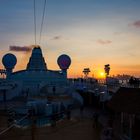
column 92, row 32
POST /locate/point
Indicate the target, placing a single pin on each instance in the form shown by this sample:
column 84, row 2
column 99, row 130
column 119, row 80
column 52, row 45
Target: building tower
column 36, row 61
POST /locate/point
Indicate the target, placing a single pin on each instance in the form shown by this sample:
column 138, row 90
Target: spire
column 36, row 61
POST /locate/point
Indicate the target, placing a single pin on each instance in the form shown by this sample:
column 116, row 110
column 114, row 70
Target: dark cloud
column 103, row 42
column 20, row 49
column 136, row 24
column 56, row 37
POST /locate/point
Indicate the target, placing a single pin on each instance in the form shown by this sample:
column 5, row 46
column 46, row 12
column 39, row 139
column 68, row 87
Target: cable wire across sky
column 42, row 22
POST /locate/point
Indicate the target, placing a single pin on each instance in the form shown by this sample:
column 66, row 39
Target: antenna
column 107, row 69
column 86, row 72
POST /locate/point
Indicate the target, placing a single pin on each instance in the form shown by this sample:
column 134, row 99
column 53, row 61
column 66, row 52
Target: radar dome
column 9, row 61
column 64, row 61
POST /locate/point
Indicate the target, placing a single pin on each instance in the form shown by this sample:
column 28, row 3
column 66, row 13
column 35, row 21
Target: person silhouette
column 54, row 90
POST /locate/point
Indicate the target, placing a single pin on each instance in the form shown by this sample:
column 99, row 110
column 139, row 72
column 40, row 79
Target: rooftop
column 126, row 100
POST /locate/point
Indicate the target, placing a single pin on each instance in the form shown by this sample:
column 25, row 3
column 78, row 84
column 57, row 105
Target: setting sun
column 101, row 75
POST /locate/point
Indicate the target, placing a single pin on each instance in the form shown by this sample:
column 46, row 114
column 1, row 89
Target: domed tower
column 64, row 62
column 36, row 61
column 9, row 61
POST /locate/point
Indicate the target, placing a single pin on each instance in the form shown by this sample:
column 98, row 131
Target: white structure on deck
column 36, row 78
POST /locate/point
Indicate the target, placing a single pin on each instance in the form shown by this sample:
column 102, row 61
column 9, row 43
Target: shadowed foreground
column 64, row 130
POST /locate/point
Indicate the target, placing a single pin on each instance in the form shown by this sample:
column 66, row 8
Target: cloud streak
column 20, row 48
column 103, row 42
column 136, row 24
column 58, row 37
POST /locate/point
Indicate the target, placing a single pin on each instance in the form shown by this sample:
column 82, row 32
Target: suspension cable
column 43, row 16
column 35, row 21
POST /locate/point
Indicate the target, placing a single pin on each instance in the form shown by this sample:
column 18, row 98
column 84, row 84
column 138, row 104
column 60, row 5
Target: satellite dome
column 9, row 61
column 64, row 61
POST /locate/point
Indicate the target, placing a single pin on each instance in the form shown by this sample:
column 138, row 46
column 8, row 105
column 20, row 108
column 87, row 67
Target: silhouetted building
column 126, row 105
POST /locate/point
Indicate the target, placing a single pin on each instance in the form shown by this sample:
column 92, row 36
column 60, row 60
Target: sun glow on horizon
column 101, row 75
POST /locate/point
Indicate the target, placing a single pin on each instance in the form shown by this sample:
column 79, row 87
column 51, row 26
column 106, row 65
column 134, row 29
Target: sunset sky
column 92, row 32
